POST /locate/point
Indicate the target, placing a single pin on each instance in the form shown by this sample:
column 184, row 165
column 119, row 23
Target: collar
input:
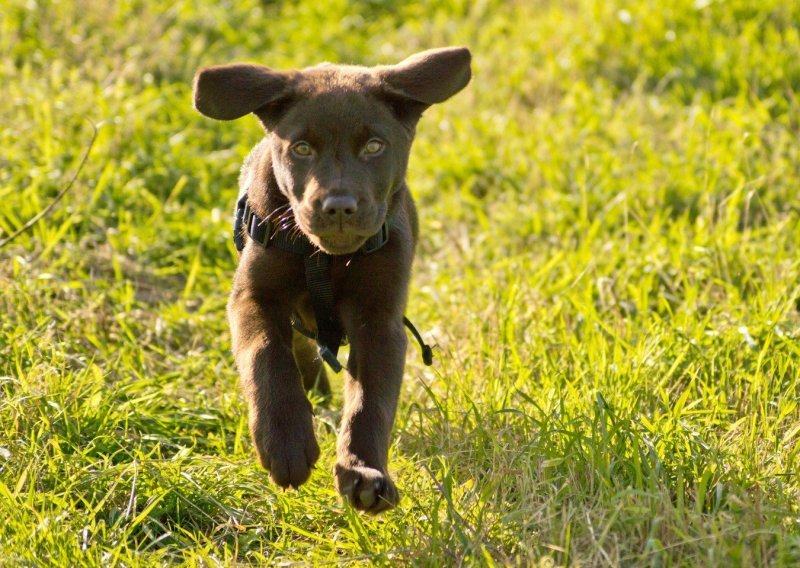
column 263, row 232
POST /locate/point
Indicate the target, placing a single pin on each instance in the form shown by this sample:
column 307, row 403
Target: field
column 609, row 266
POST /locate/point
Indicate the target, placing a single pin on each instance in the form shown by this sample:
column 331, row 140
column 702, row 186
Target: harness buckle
column 377, row 240
column 238, row 223
column 247, row 221
column 328, row 356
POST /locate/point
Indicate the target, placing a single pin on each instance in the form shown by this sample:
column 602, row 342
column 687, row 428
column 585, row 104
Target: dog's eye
column 373, row 147
column 302, row 149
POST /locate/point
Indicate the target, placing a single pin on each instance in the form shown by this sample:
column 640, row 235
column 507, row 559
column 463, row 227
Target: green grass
column 609, row 266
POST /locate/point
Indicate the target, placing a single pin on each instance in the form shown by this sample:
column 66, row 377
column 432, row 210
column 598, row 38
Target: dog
column 327, row 229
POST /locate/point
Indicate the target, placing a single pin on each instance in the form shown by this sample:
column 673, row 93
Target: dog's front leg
column 377, row 358
column 280, row 415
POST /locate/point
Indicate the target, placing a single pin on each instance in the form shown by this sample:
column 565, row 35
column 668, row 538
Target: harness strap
column 329, row 329
column 330, row 334
column 427, row 352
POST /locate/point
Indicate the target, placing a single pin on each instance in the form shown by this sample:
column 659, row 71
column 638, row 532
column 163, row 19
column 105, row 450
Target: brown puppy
column 331, row 170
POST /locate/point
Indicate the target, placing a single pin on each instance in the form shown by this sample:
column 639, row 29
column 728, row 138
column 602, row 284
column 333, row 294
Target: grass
column 609, row 266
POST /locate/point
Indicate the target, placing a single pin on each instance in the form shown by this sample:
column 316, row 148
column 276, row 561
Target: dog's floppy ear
column 226, row 92
column 428, row 77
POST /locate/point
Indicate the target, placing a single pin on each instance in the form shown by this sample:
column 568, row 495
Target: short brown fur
column 337, row 195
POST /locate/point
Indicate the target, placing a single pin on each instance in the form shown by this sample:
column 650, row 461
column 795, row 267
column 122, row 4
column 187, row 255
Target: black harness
column 330, row 333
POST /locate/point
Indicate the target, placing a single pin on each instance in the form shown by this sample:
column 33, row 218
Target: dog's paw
column 286, row 444
column 366, row 489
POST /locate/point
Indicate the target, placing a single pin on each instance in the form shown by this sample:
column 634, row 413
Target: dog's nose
column 339, row 205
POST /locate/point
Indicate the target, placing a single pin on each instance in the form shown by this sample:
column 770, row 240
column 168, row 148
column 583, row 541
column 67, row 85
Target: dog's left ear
column 428, row 77
column 227, row 92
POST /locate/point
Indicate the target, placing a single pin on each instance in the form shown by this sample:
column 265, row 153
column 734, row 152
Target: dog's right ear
column 227, row 92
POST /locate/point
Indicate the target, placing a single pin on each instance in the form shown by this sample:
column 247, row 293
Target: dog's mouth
column 338, row 236
column 339, row 243
column 337, row 240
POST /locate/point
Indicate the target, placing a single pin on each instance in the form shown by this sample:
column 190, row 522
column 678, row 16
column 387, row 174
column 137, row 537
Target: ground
column 608, row 265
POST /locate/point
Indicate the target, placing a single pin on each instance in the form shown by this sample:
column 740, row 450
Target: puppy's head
column 339, row 136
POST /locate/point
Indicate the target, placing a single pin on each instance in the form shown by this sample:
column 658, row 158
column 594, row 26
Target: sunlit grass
column 609, row 267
